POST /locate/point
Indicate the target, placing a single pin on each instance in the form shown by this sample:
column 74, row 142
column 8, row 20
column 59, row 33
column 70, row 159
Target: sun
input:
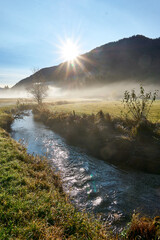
column 69, row 50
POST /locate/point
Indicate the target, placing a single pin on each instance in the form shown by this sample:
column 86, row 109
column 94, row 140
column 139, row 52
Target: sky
column 32, row 31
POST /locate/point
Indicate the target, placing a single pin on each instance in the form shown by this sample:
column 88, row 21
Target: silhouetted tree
column 38, row 89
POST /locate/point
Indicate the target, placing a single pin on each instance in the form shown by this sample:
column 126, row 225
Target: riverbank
column 34, row 206
column 116, row 140
column 32, row 202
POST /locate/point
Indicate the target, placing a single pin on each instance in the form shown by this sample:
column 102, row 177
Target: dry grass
column 144, row 228
column 83, row 106
column 114, row 108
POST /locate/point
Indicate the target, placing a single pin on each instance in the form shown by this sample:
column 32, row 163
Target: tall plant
column 139, row 105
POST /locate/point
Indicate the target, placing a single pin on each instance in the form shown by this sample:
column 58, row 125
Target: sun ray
column 69, row 50
column 73, row 63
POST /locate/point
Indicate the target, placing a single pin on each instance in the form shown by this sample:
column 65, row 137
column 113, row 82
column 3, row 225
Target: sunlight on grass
column 114, row 108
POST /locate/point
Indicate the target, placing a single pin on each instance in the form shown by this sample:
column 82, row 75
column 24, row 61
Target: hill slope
column 131, row 59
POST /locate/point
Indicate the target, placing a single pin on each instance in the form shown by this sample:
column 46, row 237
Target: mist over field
column 111, row 91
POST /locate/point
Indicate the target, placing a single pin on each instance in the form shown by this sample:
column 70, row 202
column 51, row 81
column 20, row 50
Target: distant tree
column 139, row 105
column 38, row 89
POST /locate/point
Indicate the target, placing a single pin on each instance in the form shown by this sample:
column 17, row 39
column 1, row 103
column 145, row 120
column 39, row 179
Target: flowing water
column 93, row 184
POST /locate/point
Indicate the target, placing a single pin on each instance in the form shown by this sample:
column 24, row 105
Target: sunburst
column 69, row 50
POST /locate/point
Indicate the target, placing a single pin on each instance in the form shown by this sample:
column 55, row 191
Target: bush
column 144, row 131
column 139, row 105
column 144, row 228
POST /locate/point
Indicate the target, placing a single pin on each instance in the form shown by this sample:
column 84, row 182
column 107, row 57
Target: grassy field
column 7, row 101
column 83, row 106
column 114, row 108
column 13, row 101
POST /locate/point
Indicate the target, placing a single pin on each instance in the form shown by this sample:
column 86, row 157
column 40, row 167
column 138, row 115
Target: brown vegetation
column 120, row 141
column 144, row 228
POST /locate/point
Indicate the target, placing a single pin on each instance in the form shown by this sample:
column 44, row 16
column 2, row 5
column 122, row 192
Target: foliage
column 143, row 228
column 139, row 105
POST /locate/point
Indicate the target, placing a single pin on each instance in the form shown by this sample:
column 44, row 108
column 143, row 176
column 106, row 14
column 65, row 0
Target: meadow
column 85, row 106
column 114, row 108
column 7, row 101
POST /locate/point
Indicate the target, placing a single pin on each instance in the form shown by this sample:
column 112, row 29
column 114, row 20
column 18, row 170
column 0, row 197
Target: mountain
column 130, row 59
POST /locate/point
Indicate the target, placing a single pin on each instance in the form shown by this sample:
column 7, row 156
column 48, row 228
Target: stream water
column 93, row 184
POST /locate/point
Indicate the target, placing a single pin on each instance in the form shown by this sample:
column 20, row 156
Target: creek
column 93, row 184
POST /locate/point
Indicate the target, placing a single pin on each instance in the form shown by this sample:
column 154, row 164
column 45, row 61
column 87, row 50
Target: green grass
column 155, row 112
column 32, row 202
column 5, row 117
column 114, row 108
column 87, row 107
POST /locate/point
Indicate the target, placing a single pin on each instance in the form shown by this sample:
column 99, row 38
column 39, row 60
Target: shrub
column 139, row 105
column 144, row 228
column 144, row 130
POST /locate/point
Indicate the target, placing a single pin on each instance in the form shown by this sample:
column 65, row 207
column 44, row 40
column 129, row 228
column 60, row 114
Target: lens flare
column 69, row 50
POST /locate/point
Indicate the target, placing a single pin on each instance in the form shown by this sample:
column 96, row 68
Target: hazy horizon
column 109, row 92
column 33, row 32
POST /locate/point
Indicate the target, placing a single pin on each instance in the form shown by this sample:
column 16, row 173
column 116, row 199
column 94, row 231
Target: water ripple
column 93, row 184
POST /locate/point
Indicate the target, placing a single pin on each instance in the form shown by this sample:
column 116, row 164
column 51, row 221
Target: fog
column 113, row 91
column 110, row 92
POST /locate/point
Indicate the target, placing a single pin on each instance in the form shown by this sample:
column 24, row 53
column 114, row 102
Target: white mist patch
column 54, row 92
column 111, row 92
column 9, row 93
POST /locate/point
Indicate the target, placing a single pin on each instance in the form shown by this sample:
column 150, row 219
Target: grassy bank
column 34, row 206
column 32, row 202
column 7, row 112
column 114, row 139
column 6, row 117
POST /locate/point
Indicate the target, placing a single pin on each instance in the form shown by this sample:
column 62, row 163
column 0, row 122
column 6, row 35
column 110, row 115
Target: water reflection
column 93, row 184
